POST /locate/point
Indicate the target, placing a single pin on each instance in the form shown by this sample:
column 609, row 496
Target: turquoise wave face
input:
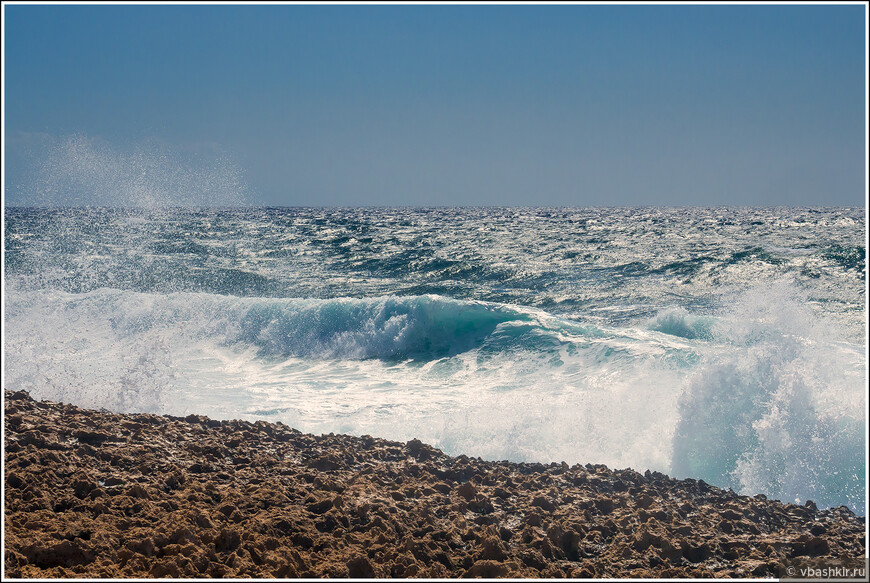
column 678, row 322
column 723, row 344
column 391, row 328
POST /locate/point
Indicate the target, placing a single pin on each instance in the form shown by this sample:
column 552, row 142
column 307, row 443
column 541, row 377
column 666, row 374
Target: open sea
column 727, row 344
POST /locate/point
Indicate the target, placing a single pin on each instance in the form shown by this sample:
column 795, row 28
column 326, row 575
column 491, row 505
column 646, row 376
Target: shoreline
column 99, row 494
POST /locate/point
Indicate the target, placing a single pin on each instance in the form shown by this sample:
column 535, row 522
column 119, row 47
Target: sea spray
column 780, row 408
column 83, row 171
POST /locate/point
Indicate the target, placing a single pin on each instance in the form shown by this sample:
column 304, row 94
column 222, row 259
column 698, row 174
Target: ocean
column 726, row 344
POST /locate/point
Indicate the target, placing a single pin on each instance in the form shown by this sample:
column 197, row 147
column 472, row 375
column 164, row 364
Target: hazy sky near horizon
column 564, row 105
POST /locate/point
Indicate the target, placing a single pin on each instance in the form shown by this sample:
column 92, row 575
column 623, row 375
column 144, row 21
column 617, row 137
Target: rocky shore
column 97, row 494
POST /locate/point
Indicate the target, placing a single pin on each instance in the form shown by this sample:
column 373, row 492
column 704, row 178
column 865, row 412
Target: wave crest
column 679, row 322
column 415, row 327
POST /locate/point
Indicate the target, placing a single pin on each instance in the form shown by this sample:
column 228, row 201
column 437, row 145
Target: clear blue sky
column 451, row 105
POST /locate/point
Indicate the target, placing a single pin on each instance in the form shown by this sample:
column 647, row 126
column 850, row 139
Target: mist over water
column 726, row 344
column 81, row 171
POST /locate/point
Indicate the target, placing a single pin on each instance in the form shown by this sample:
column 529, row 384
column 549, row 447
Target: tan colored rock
column 197, row 498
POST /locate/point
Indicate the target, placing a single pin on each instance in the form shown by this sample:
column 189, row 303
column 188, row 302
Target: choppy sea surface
column 726, row 344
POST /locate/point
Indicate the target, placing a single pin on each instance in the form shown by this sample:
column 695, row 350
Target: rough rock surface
column 96, row 494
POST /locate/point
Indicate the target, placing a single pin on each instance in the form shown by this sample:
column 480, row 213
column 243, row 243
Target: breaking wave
column 763, row 398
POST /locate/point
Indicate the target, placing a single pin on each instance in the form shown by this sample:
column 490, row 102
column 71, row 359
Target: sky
column 437, row 105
